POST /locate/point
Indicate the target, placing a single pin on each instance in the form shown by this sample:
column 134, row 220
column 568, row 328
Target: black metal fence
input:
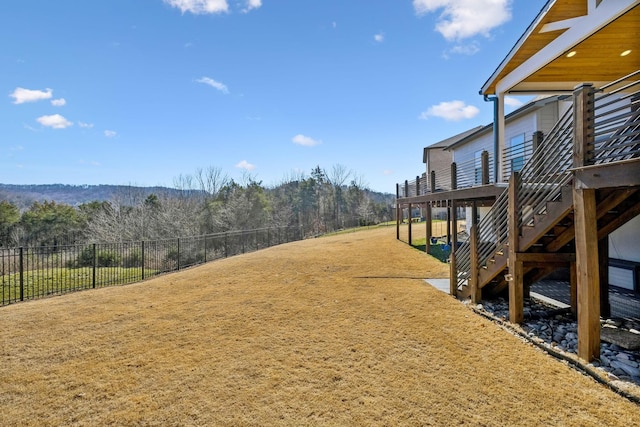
column 35, row 272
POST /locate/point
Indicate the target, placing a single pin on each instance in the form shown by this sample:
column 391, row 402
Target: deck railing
column 469, row 173
column 616, row 133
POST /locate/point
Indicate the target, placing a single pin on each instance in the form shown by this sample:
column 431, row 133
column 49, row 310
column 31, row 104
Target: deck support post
column 410, row 222
column 453, row 275
column 429, row 227
column 398, row 211
column 476, row 292
column 588, row 276
column 516, row 267
column 586, row 229
column 454, row 226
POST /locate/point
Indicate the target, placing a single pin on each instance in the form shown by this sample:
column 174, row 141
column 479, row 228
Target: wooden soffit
column 597, row 31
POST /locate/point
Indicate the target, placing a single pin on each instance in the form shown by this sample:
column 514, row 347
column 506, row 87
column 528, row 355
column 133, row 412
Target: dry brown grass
column 331, row 331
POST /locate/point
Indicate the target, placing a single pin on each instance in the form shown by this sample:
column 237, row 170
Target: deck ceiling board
column 597, row 59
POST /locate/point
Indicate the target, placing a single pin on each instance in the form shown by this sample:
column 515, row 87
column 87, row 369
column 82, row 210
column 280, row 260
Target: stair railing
column 542, row 179
column 617, row 121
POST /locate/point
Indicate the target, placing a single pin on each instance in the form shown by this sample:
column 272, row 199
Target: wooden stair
column 553, row 232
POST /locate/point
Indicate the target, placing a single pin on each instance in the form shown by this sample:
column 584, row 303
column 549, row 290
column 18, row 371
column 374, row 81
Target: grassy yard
column 334, row 331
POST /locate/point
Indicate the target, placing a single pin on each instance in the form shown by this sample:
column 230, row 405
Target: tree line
column 206, row 202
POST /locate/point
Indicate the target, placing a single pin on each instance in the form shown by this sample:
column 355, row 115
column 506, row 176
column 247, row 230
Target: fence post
column 143, row 260
column 21, row 273
column 178, row 253
column 205, row 248
column 226, row 245
column 95, row 264
column 256, row 235
column 268, row 238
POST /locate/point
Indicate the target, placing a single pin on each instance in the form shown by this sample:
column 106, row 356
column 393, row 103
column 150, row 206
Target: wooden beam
column 619, row 221
column 610, row 202
column 482, row 192
column 545, row 258
column 625, row 173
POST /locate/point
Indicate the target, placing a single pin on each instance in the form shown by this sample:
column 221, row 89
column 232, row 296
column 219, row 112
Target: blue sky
column 141, row 92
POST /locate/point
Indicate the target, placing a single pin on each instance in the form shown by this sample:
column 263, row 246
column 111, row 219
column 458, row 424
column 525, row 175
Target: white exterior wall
column 624, row 243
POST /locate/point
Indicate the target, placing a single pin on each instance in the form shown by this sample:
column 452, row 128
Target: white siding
column 624, row 243
column 547, row 117
column 468, row 151
column 524, row 125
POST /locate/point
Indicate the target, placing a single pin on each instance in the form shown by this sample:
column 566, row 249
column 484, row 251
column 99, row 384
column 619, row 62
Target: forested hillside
column 207, row 201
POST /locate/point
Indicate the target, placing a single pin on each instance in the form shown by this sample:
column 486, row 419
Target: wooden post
column 454, row 226
column 417, row 185
column 453, row 275
column 516, row 270
column 433, row 181
column 454, row 176
column 586, row 229
column 397, row 212
column 536, row 140
column 448, row 222
column 410, row 222
column 476, row 293
column 429, row 227
column 588, row 275
column 485, row 167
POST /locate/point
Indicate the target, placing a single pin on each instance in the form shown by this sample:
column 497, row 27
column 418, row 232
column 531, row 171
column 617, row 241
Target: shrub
column 133, row 259
column 104, row 259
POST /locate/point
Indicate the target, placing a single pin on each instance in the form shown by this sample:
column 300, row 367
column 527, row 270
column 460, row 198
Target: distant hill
column 24, row 196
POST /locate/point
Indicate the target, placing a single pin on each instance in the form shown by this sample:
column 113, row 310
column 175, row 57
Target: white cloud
column 466, row 49
column 55, row 121
column 199, row 6
column 379, row 37
column 22, row 95
column 110, row 133
column 85, row 125
column 305, row 140
column 252, row 4
column 512, row 102
column 245, row 165
column 451, row 110
column 461, row 19
column 58, row 102
column 214, row 84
